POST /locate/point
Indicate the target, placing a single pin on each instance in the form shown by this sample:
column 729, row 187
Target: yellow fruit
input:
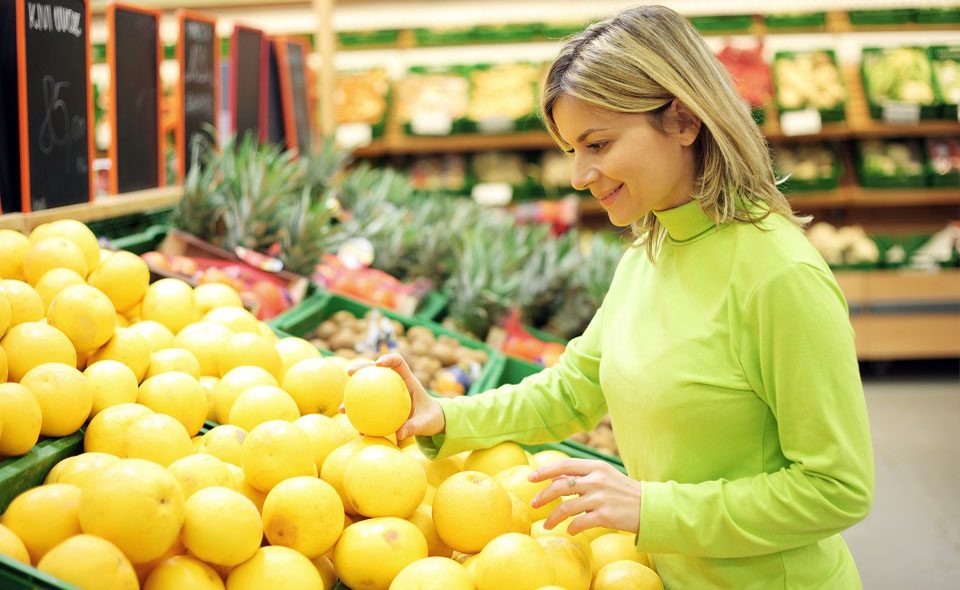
column 136, row 505
column 21, row 417
column 231, row 385
column 50, row 253
column 78, row 233
column 64, row 394
column 107, row 431
column 422, row 518
column 303, row 513
column 144, row 569
column 570, row 562
column 546, row 457
column 274, row 567
column 241, row 485
column 433, row 573
column 235, row 318
column 273, row 452
column 428, row 497
column 176, row 394
column 122, row 322
column 594, row 532
column 173, row 359
column 224, row 442
column 14, row 246
column 437, row 470
column 80, row 470
column 316, row 384
column 613, row 547
column 208, row 383
column 470, row 509
column 514, row 561
column 520, row 517
column 182, row 572
column 128, row 346
column 113, row 383
column 264, row 329
column 204, row 340
column 260, row 404
column 197, row 472
column 292, row 350
column 158, row 438
column 328, row 575
column 6, row 315
column 26, row 305
column 85, row 315
column 3, row 366
column 244, row 349
column 169, row 302
column 31, row 344
column 90, row 563
column 12, row 546
column 123, row 277
column 325, row 435
column 54, row 281
column 381, row 481
column 495, row 459
column 335, row 466
column 537, row 530
column 43, row 517
column 376, row 401
column 372, row 552
column 221, row 527
column 627, row 575
column 210, row 296
column 156, row 335
column 516, row 479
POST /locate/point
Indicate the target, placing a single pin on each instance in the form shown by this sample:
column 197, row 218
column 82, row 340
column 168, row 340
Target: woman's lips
column 608, row 198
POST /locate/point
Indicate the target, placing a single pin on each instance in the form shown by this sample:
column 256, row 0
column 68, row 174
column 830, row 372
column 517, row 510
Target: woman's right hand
column 426, row 416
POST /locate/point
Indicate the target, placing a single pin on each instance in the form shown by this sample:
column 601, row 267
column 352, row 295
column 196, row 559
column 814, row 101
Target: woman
column 723, row 351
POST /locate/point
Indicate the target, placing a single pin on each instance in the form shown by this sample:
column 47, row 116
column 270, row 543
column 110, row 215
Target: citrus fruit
column 54, row 281
column 224, row 442
column 433, row 573
column 176, row 394
column 80, row 469
column 274, row 567
column 570, row 562
column 6, row 315
column 31, row 344
column 470, row 509
column 26, row 305
column 14, row 246
column 303, row 513
column 235, row 318
column 337, row 462
column 537, row 529
column 157, row 335
column 384, row 481
column 158, row 438
column 388, row 544
column 78, row 233
column 123, row 277
column 422, row 518
column 107, row 431
column 241, row 485
column 262, row 403
column 21, row 416
column 495, row 459
column 12, row 546
column 64, row 394
column 43, row 517
column 325, row 435
column 316, row 384
column 627, row 575
column 376, row 401
column 181, row 572
column 85, row 315
column 90, row 563
column 244, row 349
column 231, row 385
column 169, row 302
column 520, row 517
column 516, row 479
column 613, row 547
column 113, row 383
column 200, row 471
column 210, row 296
column 173, row 359
column 273, row 452
column 50, row 253
column 204, row 340
column 514, row 561
column 292, row 350
column 221, row 527
column 437, row 470
column 128, row 346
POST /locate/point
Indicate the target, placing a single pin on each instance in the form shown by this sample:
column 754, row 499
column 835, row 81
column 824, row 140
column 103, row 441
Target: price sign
column 198, row 85
column 804, row 122
column 354, row 135
column 431, row 123
column 901, row 112
column 492, row 194
column 496, row 125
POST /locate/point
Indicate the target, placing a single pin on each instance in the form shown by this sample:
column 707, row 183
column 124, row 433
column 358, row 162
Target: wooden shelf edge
column 407, row 144
column 102, row 208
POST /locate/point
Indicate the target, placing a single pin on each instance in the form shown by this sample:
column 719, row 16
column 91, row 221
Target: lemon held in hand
column 376, row 401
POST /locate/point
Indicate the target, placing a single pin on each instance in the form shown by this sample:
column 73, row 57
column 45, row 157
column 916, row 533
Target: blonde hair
column 638, row 62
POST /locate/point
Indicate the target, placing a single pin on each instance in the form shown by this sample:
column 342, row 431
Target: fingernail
column 401, row 434
column 532, row 476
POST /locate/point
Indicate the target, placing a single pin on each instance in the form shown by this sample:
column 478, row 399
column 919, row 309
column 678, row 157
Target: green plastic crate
column 938, row 15
column 141, row 242
column 17, row 576
column 520, row 124
column 562, row 30
column 893, row 16
column 433, row 37
column 831, row 115
column 433, row 305
column 948, row 110
column 825, row 183
column 118, row 227
column 360, row 38
column 459, row 125
column 507, row 33
column 726, row 23
column 816, row 20
column 930, row 111
column 18, row 474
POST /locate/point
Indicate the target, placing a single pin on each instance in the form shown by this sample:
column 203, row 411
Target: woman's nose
column 583, row 176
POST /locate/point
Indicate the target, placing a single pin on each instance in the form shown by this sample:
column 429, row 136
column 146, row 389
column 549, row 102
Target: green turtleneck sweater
column 729, row 372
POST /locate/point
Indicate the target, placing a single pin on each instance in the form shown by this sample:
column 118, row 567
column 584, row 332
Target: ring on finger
column 571, row 481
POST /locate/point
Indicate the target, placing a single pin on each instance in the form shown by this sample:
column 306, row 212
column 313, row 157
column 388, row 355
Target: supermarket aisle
column 912, row 537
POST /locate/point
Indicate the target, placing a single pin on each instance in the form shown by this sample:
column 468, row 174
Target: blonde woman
column 722, row 352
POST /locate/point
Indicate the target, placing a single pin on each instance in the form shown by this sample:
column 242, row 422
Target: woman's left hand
column 606, row 497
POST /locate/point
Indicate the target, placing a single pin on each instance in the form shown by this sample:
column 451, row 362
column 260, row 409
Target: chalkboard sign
column 45, row 140
column 198, row 88
column 134, row 53
column 248, row 82
column 275, row 123
column 294, row 81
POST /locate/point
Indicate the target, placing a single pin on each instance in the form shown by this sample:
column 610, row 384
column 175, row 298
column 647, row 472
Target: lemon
column 292, row 350
column 437, row 470
column 224, row 442
column 328, row 575
column 146, row 568
column 235, row 318
column 113, row 383
column 26, row 305
column 208, row 383
column 325, row 435
column 520, row 517
column 273, row 452
column 50, row 253
column 43, row 517
column 241, row 485
column 262, row 403
column 383, row 481
column 123, row 277
column 570, row 562
column 85, row 315
column 55, row 280
column 12, row 546
column 210, row 296
column 14, row 246
column 64, row 394
column 31, row 344
column 244, row 349
column 158, row 438
column 6, row 315
column 128, row 346
column 303, row 513
column 274, row 567
column 231, row 385
column 615, row 546
column 337, row 462
column 136, row 505
column 78, row 233
column 21, row 416
column 516, row 479
column 79, row 470
column 495, row 459
column 169, row 302
column 514, row 561
column 222, row 527
column 157, row 335
column 204, row 340
column 316, row 384
column 181, row 572
column 537, row 529
column 90, row 563
column 197, row 472
column 173, row 359
column 107, row 431
column 433, row 573
column 372, row 552
column 176, row 394
column 627, row 575
column 376, row 401
column 470, row 509
column 422, row 518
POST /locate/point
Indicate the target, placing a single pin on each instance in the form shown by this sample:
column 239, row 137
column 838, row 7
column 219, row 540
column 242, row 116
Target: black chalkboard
column 275, row 124
column 46, row 138
column 248, row 81
column 299, row 99
column 134, row 52
column 198, row 88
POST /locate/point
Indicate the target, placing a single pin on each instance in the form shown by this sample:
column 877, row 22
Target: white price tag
column 492, row 194
column 495, row 125
column 354, row 135
column 805, row 122
column 901, row 112
column 431, row 123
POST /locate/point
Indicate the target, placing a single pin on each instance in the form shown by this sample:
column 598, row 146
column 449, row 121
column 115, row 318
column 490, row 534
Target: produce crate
column 938, row 179
column 527, row 122
column 909, row 243
column 18, row 474
column 938, row 15
column 140, row 242
column 896, row 181
column 823, row 183
column 795, row 20
column 507, row 33
column 118, row 227
column 460, row 124
column 433, row 37
column 561, row 30
column 433, row 305
column 18, row 576
column 830, row 115
column 730, row 23
column 944, row 53
column 759, row 115
column 360, row 38
column 304, row 319
column 893, row 16
column 929, row 111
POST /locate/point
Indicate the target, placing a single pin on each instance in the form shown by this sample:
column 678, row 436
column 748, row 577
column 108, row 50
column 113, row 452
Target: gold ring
column 571, row 481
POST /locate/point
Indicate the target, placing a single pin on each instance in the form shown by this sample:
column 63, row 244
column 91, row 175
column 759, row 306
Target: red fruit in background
column 215, row 275
column 156, row 260
column 183, row 265
column 270, row 299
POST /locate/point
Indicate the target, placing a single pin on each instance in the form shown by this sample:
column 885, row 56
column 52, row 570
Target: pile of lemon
column 286, row 492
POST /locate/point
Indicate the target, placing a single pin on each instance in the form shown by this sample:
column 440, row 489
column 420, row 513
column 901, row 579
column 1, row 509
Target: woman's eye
column 598, row 146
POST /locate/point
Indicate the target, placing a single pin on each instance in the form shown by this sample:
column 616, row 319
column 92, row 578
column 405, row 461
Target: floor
column 911, row 539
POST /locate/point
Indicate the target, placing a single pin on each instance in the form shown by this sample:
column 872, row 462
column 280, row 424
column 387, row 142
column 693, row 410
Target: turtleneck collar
column 684, row 222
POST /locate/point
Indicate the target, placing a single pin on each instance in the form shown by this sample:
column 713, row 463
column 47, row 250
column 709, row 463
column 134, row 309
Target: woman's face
column 631, row 167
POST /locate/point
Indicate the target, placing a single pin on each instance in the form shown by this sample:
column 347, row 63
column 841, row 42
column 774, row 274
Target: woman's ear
column 688, row 124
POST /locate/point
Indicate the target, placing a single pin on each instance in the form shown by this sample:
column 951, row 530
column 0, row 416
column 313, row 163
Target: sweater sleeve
column 797, row 351
column 545, row 407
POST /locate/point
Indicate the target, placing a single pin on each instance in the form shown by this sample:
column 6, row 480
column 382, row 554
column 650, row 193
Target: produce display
column 505, row 167
column 804, row 164
column 361, row 97
column 369, row 285
column 946, row 72
column 556, row 170
column 504, row 91
column 750, row 73
column 891, row 158
column 899, row 75
column 944, row 155
column 432, row 93
column 808, row 80
column 600, row 438
column 439, row 173
column 847, row 245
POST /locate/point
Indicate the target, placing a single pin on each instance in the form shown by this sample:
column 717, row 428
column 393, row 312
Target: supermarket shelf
column 456, row 143
column 101, row 208
column 907, row 336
